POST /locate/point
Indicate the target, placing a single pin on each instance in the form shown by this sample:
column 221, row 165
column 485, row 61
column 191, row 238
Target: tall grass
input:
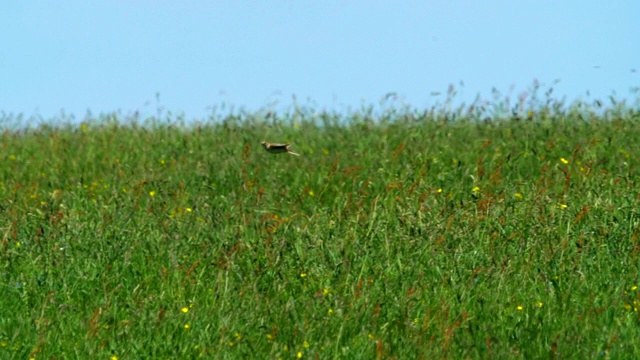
column 402, row 235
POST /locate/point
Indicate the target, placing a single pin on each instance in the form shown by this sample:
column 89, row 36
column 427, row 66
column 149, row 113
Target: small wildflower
column 475, row 189
column 519, row 308
column 12, row 157
column 303, row 275
column 188, row 210
column 185, row 309
column 634, row 288
column 370, row 336
column 518, row 196
column 152, row 193
column 325, row 292
column 305, row 345
column 564, row 161
column 237, row 335
column 187, row 326
column 627, row 307
column 113, row 357
column 562, row 206
column 311, row 193
column 539, row 304
column 330, row 311
column 269, row 337
column 299, row 355
column 439, row 191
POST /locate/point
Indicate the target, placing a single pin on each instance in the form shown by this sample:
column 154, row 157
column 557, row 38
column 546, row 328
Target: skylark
column 278, row 148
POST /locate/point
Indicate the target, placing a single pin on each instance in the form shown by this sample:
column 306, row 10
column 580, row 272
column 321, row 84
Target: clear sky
column 106, row 56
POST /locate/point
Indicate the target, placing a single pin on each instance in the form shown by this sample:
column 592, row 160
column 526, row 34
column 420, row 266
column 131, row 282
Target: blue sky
column 109, row 56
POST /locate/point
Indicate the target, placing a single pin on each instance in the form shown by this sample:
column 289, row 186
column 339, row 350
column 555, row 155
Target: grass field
column 403, row 236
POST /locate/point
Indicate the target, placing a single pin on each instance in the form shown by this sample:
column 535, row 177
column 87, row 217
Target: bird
column 278, row 148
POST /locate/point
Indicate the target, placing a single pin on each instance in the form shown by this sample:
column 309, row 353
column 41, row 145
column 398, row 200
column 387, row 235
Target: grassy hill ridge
column 403, row 238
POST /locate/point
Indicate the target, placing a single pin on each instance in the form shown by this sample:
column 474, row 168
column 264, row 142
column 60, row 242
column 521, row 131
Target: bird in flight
column 278, row 148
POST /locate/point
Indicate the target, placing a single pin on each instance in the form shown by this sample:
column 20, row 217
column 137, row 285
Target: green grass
column 404, row 237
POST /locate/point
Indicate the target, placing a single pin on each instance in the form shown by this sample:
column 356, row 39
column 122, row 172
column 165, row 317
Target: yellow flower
column 539, row 304
column 634, row 288
column 519, row 308
column 475, row 189
column 562, row 206
column 187, row 326
column 439, row 191
column 330, row 311
column 305, row 345
column 303, row 275
column 518, row 196
column 325, row 292
column 189, row 209
column 564, row 161
column 185, row 309
column 311, row 193
column 299, row 355
column 152, row 193
column 113, row 357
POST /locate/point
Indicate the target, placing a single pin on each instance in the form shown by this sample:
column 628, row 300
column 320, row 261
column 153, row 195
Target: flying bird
column 278, row 148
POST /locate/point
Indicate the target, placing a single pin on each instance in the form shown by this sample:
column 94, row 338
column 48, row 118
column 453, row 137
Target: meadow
column 402, row 235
